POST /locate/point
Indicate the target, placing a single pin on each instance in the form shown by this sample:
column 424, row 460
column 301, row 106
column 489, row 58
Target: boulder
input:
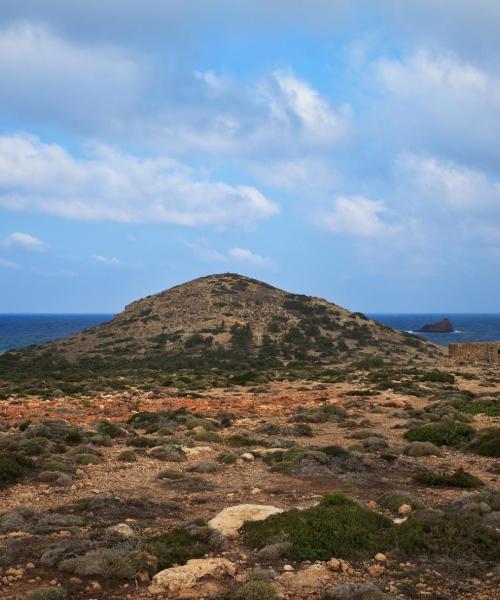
column 311, row 579
column 230, row 519
column 196, row 579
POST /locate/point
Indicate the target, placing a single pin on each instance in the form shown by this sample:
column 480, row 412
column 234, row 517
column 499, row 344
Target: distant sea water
column 468, row 327
column 18, row 331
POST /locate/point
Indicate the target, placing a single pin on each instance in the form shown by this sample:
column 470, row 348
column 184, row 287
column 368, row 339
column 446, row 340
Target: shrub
column 171, row 474
column 178, row 546
column 48, row 593
column 486, row 406
column 208, row 436
column 112, row 563
column 127, row 456
column 434, row 533
column 446, row 433
column 356, row 591
column 336, row 527
column 110, row 429
column 488, row 443
column 227, row 458
column 193, row 422
column 253, row 590
column 303, row 429
column 393, row 500
column 460, row 479
column 437, row 377
column 12, row 468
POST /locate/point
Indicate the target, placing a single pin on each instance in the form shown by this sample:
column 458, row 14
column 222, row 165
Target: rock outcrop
column 443, row 326
column 196, row 579
column 229, row 520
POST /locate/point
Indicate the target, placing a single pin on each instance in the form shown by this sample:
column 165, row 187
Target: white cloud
column 438, row 101
column 24, row 240
column 111, row 262
column 358, row 216
column 448, row 184
column 111, row 185
column 247, row 256
column 8, row 264
column 240, row 255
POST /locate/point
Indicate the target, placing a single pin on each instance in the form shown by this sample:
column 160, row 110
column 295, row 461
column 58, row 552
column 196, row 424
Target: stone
column 376, row 570
column 309, row 580
column 122, row 529
column 443, row 326
column 380, row 557
column 248, row 456
column 230, row 519
column 196, row 579
column 404, row 509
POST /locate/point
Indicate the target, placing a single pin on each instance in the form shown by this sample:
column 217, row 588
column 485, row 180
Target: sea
column 21, row 330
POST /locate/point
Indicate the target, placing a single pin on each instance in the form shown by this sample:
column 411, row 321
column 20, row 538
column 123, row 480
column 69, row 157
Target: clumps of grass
column 487, row 443
column 393, row 500
column 109, row 429
column 445, row 433
column 227, row 458
column 241, row 440
column 170, row 474
column 437, row 377
column 489, row 406
column 208, row 436
column 252, row 590
column 302, row 429
column 13, row 468
column 112, row 563
column 178, row 546
column 290, row 460
column 127, row 456
column 447, row 535
column 337, row 527
column 193, row 422
column 48, row 593
column 459, row 479
column 323, row 414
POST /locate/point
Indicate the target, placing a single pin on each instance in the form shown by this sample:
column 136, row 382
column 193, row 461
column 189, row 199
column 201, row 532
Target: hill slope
column 227, row 318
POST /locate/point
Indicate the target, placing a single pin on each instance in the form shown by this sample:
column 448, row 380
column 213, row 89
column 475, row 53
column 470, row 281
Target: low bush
column 252, row 590
column 445, row 433
column 127, row 456
column 460, row 479
column 487, row 443
column 336, row 527
column 48, row 593
column 437, row 377
column 393, row 500
column 12, row 468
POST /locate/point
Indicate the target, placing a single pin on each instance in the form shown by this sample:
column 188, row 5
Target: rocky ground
column 144, row 495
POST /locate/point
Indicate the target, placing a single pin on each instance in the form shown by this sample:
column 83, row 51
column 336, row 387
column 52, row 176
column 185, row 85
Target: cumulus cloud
column 358, row 216
column 247, row 256
column 114, row 186
column 24, row 240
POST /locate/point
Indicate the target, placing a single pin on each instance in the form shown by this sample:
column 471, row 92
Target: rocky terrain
column 377, row 483
column 226, row 440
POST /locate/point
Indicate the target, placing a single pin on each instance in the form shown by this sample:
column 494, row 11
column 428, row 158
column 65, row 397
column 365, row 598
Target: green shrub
column 127, row 456
column 435, row 533
column 12, row 468
column 193, row 422
column 460, row 479
column 48, row 593
column 253, row 590
column 485, row 406
column 487, row 443
column 446, row 433
column 227, row 458
column 178, row 546
column 393, row 500
column 110, row 429
column 208, row 436
column 437, row 377
column 336, row 527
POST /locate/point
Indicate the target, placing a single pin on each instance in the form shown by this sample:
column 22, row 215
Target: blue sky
column 344, row 149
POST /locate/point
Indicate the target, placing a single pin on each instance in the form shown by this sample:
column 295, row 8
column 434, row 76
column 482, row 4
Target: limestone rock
column 230, row 519
column 311, row 579
column 196, row 579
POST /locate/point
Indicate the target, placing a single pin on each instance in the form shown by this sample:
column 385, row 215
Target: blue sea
column 18, row 331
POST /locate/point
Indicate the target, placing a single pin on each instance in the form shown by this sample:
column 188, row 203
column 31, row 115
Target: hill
column 228, row 318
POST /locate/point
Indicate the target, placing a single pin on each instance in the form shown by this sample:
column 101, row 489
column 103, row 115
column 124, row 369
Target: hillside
column 227, row 318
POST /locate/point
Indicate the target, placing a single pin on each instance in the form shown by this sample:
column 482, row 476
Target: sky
column 340, row 148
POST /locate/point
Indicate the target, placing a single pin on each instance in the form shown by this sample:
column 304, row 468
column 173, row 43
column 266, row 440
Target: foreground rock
column 229, row 520
column 196, row 579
